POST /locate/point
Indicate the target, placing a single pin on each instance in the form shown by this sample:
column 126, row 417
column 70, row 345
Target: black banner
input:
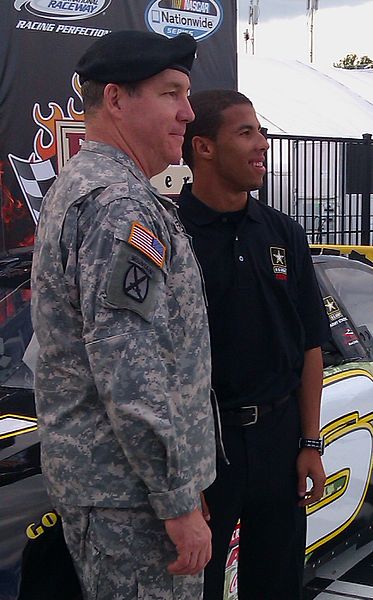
column 359, row 168
column 41, row 119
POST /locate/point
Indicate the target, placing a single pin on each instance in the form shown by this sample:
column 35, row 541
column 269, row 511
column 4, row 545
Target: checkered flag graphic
column 34, row 178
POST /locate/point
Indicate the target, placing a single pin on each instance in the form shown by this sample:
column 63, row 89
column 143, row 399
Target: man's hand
column 309, row 464
column 192, row 538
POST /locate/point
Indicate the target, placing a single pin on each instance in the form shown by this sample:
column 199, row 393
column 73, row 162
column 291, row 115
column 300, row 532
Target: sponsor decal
column 230, row 584
column 278, row 259
column 48, row 520
column 64, row 10
column 11, row 425
column 339, row 321
column 171, row 17
column 349, row 337
column 332, row 310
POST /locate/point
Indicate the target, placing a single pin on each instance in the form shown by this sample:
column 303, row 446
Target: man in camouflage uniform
column 122, row 380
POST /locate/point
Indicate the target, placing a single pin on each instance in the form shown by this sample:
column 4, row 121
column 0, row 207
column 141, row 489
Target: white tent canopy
column 301, row 99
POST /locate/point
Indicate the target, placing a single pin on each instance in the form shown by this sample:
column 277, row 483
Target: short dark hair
column 93, row 93
column 208, row 107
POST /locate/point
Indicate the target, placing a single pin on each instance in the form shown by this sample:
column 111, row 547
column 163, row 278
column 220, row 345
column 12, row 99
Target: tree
column 352, row 61
column 365, row 61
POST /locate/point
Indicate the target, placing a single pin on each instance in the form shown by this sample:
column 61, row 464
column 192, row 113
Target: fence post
column 367, row 188
column 263, row 191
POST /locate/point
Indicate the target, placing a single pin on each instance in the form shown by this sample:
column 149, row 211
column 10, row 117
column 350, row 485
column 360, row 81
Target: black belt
column 249, row 415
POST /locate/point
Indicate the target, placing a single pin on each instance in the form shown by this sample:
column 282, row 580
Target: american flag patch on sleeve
column 145, row 241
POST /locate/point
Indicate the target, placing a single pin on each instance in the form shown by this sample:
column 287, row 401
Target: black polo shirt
column 264, row 304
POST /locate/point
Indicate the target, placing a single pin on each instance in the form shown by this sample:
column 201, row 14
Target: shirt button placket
column 241, row 262
column 240, row 257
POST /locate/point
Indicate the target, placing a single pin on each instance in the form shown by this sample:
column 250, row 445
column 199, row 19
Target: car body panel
column 345, row 249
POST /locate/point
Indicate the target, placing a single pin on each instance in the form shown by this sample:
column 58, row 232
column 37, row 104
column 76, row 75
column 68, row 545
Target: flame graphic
column 15, row 217
column 45, row 146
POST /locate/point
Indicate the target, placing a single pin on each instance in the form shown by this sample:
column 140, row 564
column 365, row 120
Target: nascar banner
column 41, row 117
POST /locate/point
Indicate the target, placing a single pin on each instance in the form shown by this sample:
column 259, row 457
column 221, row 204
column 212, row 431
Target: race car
column 34, row 562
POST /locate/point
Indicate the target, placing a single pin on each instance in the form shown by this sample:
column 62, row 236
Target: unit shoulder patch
column 146, row 242
column 133, row 282
column 136, row 283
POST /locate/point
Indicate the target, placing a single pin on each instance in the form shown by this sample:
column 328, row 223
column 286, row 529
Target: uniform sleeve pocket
column 133, row 282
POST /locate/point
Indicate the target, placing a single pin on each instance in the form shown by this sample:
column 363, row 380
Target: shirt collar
column 201, row 214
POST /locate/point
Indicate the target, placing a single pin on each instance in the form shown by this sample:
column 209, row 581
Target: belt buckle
column 254, row 416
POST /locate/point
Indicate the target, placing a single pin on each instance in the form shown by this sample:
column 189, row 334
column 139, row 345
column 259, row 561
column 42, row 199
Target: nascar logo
column 171, row 17
column 194, row 5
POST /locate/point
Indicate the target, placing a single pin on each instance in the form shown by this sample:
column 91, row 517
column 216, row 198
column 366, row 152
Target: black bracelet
column 316, row 444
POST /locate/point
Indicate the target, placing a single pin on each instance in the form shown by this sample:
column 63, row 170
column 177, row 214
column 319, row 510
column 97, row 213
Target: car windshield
column 15, row 334
column 355, row 287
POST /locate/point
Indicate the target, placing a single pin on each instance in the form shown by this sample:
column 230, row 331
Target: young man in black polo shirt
column 267, row 324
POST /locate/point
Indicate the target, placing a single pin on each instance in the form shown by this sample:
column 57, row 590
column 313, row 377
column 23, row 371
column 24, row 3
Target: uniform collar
column 127, row 162
column 117, row 155
column 201, row 214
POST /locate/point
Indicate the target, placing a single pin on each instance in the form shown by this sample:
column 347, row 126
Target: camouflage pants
column 122, row 554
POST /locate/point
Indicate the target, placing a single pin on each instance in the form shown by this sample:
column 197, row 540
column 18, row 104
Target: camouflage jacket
column 123, row 374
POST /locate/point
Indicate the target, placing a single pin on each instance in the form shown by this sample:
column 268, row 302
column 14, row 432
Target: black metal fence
column 324, row 183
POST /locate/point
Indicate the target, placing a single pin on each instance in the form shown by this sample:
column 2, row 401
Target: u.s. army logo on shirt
column 278, row 259
column 136, row 283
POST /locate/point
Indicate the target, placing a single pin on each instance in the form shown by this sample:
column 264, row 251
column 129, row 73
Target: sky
column 340, row 28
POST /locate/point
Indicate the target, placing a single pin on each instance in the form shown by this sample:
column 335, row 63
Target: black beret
column 129, row 56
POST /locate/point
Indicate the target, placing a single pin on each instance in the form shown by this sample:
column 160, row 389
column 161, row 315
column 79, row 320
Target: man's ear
column 114, row 98
column 203, row 147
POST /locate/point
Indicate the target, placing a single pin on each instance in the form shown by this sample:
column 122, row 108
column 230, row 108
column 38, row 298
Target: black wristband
column 316, row 444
